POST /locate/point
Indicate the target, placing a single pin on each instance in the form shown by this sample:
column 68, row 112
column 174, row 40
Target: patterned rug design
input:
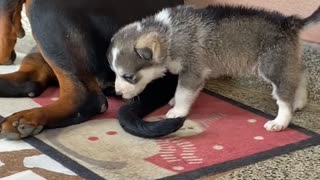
column 20, row 160
column 221, row 134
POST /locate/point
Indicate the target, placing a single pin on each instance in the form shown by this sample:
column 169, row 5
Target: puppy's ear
column 148, row 47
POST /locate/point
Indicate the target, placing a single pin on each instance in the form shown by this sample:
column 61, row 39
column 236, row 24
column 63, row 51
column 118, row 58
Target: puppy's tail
column 312, row 19
column 157, row 94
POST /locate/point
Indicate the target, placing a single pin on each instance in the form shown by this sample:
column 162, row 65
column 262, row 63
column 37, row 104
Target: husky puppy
column 198, row 44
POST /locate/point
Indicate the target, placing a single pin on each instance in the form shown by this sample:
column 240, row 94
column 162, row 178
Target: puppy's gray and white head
column 135, row 56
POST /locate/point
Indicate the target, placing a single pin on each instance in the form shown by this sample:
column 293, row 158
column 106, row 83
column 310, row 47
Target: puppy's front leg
column 186, row 93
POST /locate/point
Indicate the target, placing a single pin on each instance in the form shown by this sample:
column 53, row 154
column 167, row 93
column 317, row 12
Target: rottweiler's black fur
column 73, row 37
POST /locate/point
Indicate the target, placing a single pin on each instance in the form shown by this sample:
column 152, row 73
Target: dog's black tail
column 313, row 18
column 157, row 94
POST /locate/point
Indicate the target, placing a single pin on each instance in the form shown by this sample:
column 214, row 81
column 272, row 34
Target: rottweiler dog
column 72, row 39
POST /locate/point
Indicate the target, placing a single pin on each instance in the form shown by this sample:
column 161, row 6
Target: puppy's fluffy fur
column 207, row 43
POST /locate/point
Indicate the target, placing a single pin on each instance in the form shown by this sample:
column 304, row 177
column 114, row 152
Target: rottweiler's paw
column 22, row 124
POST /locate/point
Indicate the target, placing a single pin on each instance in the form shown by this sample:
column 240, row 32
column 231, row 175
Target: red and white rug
column 219, row 135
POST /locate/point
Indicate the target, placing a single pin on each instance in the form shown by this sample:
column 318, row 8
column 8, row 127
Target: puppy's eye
column 129, row 78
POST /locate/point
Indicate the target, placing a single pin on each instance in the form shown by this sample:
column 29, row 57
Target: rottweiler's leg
column 10, row 29
column 79, row 99
column 80, row 95
column 71, row 47
column 30, row 80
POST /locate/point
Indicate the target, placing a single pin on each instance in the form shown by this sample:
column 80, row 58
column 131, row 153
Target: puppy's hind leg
column 284, row 83
column 301, row 95
column 282, row 94
column 283, row 118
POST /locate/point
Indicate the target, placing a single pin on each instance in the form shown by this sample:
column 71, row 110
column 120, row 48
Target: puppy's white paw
column 176, row 112
column 275, row 125
column 172, row 102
